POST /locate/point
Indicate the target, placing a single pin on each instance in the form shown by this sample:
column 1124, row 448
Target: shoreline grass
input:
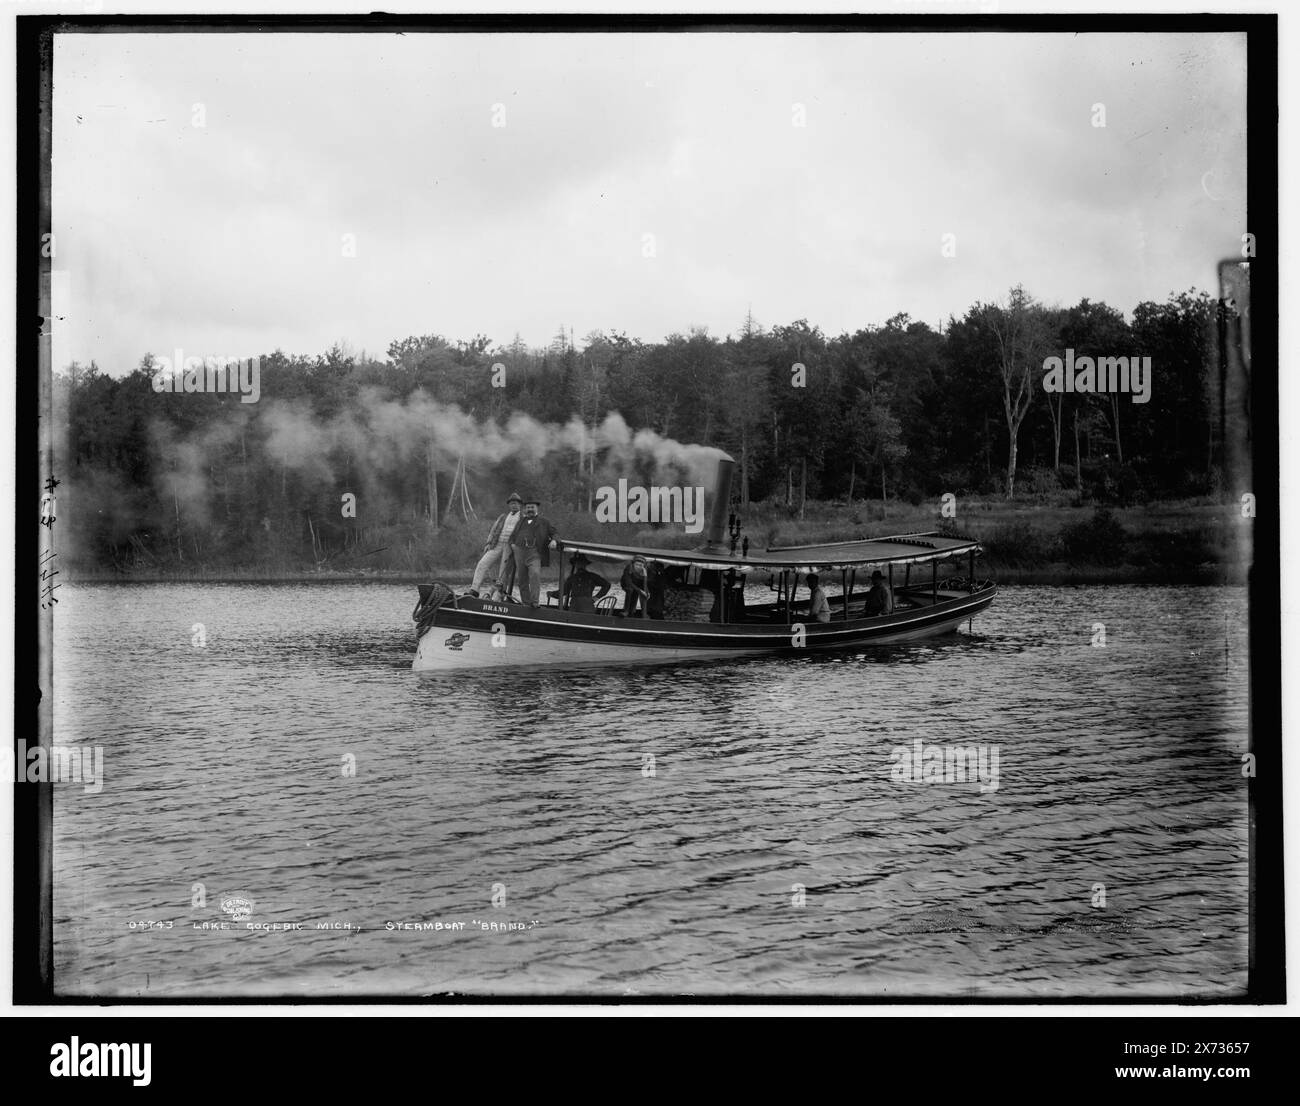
column 1043, row 541
column 1015, row 575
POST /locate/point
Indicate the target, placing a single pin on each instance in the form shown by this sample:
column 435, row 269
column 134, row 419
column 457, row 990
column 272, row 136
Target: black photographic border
column 33, row 803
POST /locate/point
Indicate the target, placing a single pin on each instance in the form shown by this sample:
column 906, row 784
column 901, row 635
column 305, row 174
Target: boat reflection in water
column 458, row 632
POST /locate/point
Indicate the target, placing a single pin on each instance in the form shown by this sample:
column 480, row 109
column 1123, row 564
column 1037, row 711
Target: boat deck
column 912, row 598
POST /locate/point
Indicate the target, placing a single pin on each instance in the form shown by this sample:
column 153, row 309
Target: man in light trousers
column 491, row 564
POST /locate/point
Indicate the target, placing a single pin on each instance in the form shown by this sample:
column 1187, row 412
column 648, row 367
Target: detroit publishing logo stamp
column 237, row 905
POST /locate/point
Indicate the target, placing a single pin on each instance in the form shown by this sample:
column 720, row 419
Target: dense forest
column 439, row 429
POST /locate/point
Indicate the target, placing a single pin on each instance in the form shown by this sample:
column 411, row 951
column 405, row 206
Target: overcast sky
column 229, row 238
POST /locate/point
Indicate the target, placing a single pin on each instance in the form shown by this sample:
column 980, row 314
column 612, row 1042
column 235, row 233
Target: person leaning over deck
column 497, row 546
column 530, row 552
column 819, row 606
column 582, row 589
column 879, row 601
column 636, row 586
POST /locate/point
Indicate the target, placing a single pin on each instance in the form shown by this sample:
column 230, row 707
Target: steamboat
column 927, row 598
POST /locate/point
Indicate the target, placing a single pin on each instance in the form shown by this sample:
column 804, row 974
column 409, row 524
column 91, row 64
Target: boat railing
column 959, row 583
column 907, row 541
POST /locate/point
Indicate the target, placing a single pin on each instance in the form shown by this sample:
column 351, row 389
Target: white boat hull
column 482, row 639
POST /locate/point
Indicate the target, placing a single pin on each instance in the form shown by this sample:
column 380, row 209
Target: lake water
column 741, row 828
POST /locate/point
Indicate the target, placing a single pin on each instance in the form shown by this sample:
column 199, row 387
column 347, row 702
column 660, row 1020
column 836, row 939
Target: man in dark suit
column 530, row 552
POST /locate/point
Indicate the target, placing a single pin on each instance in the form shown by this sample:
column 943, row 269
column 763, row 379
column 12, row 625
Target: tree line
column 896, row 410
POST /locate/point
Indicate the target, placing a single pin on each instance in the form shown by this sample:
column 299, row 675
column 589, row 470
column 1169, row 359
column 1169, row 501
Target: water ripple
column 753, row 826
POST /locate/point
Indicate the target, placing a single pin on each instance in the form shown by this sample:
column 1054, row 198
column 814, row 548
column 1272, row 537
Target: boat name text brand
column 1106, row 374
column 638, row 504
column 920, row 763
column 209, row 374
column 57, row 764
column 115, row 1061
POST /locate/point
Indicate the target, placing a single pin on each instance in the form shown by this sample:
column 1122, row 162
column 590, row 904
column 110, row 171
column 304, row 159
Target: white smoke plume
column 383, row 432
column 375, row 436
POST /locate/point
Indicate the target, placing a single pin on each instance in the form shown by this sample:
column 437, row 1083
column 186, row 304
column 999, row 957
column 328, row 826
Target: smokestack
column 715, row 536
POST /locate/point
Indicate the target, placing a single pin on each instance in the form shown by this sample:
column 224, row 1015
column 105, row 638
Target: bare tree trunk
column 455, row 484
column 803, row 488
column 776, row 444
column 1078, row 464
column 853, row 476
column 1057, row 411
column 433, row 488
column 744, row 467
column 180, row 556
column 1114, row 407
column 582, row 458
column 1011, row 466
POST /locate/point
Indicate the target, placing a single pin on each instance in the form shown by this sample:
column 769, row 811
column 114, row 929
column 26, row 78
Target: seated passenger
column 819, row 606
column 879, row 601
column 582, row 589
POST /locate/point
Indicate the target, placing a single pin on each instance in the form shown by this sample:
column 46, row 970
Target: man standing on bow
column 491, row 565
column 530, row 552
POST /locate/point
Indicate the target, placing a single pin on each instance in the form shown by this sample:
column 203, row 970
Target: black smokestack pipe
column 715, row 534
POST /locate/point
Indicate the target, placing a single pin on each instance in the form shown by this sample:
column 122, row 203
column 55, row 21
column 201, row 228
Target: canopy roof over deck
column 895, row 549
